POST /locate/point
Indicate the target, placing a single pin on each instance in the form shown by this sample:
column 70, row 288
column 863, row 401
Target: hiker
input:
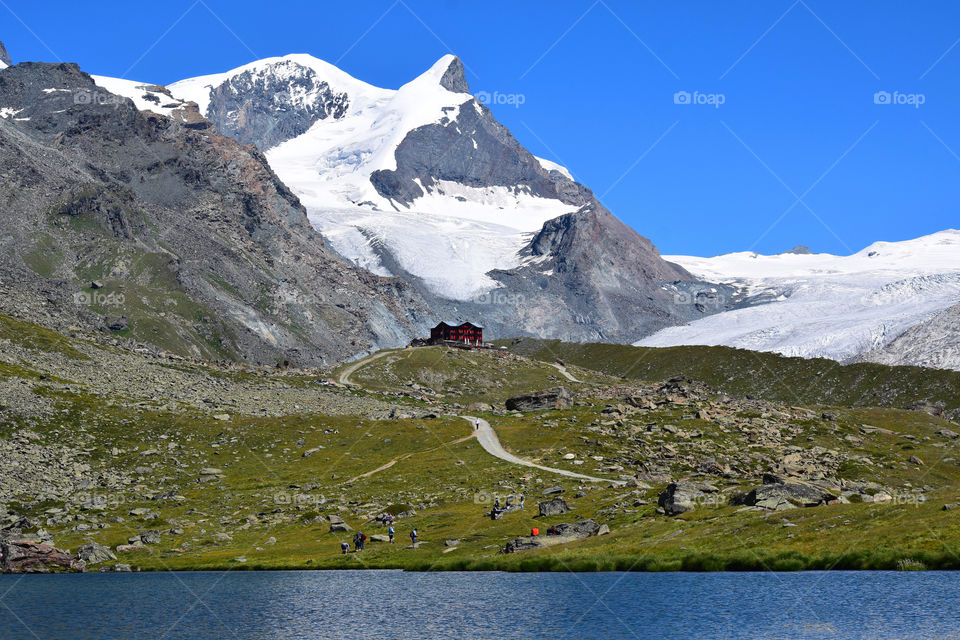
column 356, row 542
column 535, row 532
column 344, row 547
column 363, row 538
column 413, row 537
column 496, row 502
column 521, row 501
column 391, row 532
column 509, row 501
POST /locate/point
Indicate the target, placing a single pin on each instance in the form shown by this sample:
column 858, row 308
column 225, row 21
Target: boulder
column 552, row 491
column 680, row 497
column 340, row 527
column 554, row 507
column 25, row 556
column 556, row 398
column 379, row 537
column 150, row 537
column 778, row 494
column 558, row 534
column 95, row 553
column 577, row 530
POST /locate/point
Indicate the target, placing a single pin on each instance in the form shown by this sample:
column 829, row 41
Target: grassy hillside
column 764, row 375
column 244, row 468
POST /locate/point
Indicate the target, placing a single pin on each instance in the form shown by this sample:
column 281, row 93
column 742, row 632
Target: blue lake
column 388, row 604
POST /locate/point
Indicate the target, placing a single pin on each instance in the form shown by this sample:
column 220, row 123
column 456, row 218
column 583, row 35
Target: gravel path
column 491, row 444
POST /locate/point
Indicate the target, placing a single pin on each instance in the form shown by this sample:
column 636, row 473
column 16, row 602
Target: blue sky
column 797, row 152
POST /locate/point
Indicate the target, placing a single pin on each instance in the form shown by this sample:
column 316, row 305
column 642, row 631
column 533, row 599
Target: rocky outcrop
column 4, row 56
column 554, row 507
column 556, row 398
column 25, row 556
column 558, row 534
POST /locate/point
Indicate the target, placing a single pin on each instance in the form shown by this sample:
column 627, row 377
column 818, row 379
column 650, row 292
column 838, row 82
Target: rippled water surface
column 386, row 604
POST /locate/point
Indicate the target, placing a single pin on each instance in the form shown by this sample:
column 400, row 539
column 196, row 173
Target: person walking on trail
column 413, row 537
column 391, row 532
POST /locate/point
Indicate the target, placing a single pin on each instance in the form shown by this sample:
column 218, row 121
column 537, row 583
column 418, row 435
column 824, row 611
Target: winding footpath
column 344, row 377
column 482, row 430
column 488, row 439
column 563, row 371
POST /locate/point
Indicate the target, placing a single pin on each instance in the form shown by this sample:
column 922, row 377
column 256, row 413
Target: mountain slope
column 158, row 228
column 423, row 183
column 820, row 305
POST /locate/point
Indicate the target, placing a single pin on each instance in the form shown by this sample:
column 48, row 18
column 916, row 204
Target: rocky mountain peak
column 4, row 56
column 799, row 250
column 455, row 78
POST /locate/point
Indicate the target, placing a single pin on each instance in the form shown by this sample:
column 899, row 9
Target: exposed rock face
column 265, row 107
column 554, row 507
column 4, row 56
column 204, row 250
column 474, row 150
column 24, row 556
column 605, row 283
column 455, row 79
column 557, row 398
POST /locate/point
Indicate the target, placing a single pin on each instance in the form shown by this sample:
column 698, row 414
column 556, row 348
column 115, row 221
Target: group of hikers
column 498, row 511
column 360, row 539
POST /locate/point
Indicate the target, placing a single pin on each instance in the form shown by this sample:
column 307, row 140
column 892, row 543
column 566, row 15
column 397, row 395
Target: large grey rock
column 778, row 494
column 150, row 537
column 558, row 534
column 556, row 398
column 680, row 497
column 554, row 507
column 95, row 553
